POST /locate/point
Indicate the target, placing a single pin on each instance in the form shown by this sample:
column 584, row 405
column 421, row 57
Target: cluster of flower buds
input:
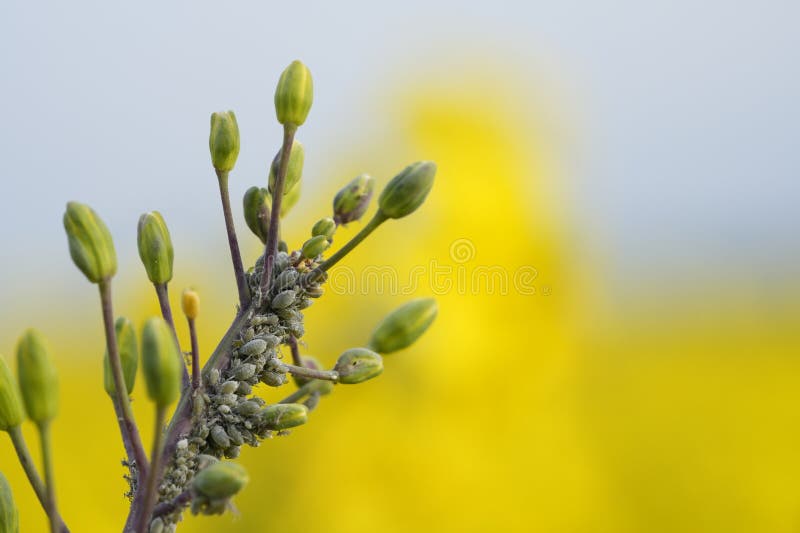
column 218, row 408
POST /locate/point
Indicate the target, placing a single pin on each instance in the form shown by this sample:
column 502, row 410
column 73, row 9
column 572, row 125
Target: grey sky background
column 687, row 113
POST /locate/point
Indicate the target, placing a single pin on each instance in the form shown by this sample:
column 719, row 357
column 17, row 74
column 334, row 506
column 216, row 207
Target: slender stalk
column 49, row 475
column 312, row 373
column 127, row 422
column 300, row 393
column 166, row 311
column 151, row 488
column 195, row 355
column 376, row 221
column 296, row 359
column 126, row 441
column 233, row 242
column 26, row 461
column 271, row 248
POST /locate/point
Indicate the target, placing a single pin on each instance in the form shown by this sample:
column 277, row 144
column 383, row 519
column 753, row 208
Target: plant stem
column 233, row 242
column 166, row 311
column 305, row 372
column 26, row 461
column 195, row 355
column 49, row 475
column 181, row 422
column 271, row 248
column 164, row 508
column 126, row 441
column 151, row 489
column 296, row 359
column 127, row 422
column 376, row 221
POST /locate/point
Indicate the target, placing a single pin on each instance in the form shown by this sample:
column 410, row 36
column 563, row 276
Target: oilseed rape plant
column 205, row 414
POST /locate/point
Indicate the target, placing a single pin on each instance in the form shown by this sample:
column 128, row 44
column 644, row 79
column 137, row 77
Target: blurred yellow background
column 559, row 390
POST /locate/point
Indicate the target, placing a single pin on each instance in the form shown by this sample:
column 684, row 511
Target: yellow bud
column 38, row 380
column 294, row 94
column 11, row 413
column 190, row 303
column 223, row 142
column 155, row 247
column 161, row 362
column 128, row 348
column 90, row 243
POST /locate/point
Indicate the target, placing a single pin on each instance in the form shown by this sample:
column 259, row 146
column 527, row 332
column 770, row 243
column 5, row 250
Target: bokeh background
column 636, row 162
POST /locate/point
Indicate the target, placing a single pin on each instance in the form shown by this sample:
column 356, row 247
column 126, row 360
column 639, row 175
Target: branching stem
column 317, row 273
column 312, row 373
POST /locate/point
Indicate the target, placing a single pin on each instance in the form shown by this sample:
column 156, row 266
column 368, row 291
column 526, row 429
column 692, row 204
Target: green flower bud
column 403, row 326
column 283, row 416
column 315, row 246
column 406, row 191
column 90, row 243
column 220, row 480
column 294, row 169
column 290, row 199
column 155, row 247
column 294, row 94
column 357, row 365
column 257, row 203
column 325, row 226
column 9, row 516
column 128, row 348
column 161, row 362
column 190, row 303
column 352, row 201
column 224, row 140
column 38, row 379
column 11, row 413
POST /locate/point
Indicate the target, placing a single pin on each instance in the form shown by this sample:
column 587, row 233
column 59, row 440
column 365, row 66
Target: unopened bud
column 352, row 201
column 283, row 416
column 290, row 199
column 161, row 362
column 256, row 204
column 155, row 247
column 357, row 365
column 90, row 243
column 294, row 94
column 128, row 348
column 406, row 191
column 224, row 140
column 403, row 326
column 11, row 413
column 38, row 380
column 9, row 515
column 325, row 226
column 190, row 303
column 315, row 246
column 220, row 480
column 294, row 168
